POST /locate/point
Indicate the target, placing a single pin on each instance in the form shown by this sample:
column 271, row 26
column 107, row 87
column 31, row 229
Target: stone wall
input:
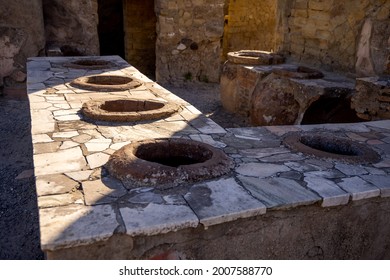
column 339, row 35
column 189, row 35
column 140, row 35
column 72, row 26
column 21, row 34
column 251, row 24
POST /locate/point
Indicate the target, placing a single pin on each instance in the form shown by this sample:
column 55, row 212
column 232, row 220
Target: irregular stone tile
column 260, row 170
column 82, row 138
column 109, row 151
column 54, row 184
column 300, row 166
column 36, row 99
column 76, row 225
column 240, row 144
column 283, row 158
column 41, row 148
column 60, row 200
column 102, row 191
column 37, row 76
column 282, row 130
column 97, row 160
column 252, row 133
column 380, row 181
column 328, row 174
column 208, row 140
column 374, row 142
column 169, row 128
column 65, row 112
column 97, row 145
column 158, row 219
column 146, row 197
column 74, row 117
column 79, row 175
column 67, row 134
column 40, row 105
column 386, row 140
column 374, row 171
column 76, row 125
column 62, row 106
column 207, row 126
column 65, row 91
column 119, row 145
column 380, row 124
column 293, row 175
column 356, row 137
column 319, row 164
column 385, row 163
column 351, row 170
column 175, row 117
column 332, row 195
column 358, row 188
column 59, row 162
column 68, row 144
column 263, row 152
column 222, row 201
column 55, row 98
column 42, row 122
column 279, row 192
column 188, row 115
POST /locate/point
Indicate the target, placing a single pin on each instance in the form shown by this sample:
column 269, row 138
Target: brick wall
column 251, row 24
column 330, row 33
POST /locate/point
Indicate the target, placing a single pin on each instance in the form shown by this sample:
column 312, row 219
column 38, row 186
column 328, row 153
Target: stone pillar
column 72, row 26
column 21, row 34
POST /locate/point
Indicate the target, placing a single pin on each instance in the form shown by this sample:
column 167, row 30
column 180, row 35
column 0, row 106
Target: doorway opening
column 110, row 28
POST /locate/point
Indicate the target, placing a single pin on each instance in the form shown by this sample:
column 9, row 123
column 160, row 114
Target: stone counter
column 274, row 203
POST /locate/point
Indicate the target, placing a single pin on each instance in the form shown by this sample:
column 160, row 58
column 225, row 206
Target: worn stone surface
column 358, row 188
column 60, row 200
column 222, row 201
column 265, row 175
column 61, row 161
column 332, row 195
column 54, row 184
column 102, row 191
column 260, row 170
column 76, row 225
column 157, row 218
column 279, row 192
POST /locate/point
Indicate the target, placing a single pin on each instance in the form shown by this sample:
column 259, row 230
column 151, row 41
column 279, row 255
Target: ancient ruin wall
column 189, row 35
column 140, row 34
column 21, row 34
column 72, row 25
column 251, row 24
column 350, row 36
